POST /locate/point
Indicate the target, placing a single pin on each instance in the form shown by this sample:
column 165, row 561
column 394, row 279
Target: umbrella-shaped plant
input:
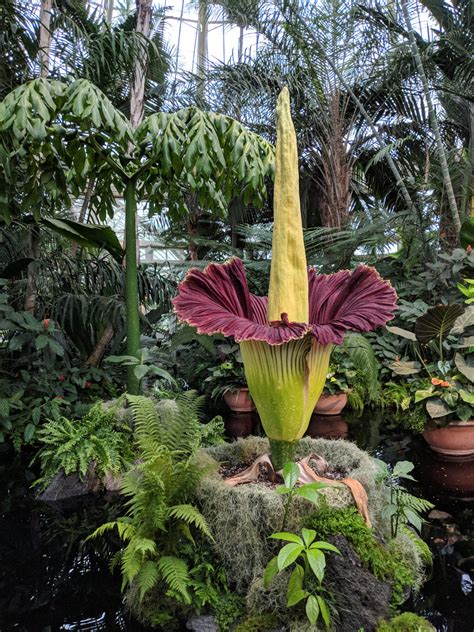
column 287, row 339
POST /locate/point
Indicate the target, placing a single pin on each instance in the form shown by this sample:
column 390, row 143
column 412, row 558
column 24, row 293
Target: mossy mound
column 406, row 622
column 242, row 518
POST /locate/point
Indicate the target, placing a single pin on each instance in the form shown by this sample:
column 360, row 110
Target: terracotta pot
column 330, row 404
column 240, row 424
column 239, row 401
column 455, row 440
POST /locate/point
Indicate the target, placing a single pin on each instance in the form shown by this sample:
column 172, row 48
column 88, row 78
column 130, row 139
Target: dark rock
column 64, row 487
column 205, row 623
column 362, row 600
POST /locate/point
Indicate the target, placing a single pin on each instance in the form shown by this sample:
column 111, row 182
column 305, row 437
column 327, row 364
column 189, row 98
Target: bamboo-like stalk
column 131, row 271
column 433, row 120
column 45, row 36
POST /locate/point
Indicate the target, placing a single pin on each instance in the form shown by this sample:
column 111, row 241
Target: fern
column 72, row 446
column 160, row 521
column 367, row 366
column 423, row 549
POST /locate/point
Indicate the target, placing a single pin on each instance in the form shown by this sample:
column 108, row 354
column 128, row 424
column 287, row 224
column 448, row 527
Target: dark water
column 53, row 581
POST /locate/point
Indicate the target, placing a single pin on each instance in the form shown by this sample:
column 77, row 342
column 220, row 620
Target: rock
column 436, row 514
column 205, row 623
column 362, row 599
column 64, row 487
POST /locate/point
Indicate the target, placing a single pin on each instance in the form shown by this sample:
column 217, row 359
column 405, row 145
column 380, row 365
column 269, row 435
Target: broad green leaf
column 466, row 234
column 140, row 371
column 467, row 396
column 400, row 367
column 402, row 468
column 270, row 572
column 320, row 544
column 156, row 370
column 423, row 394
column 466, row 368
column 291, row 473
column 309, row 494
column 87, row 235
column 413, row 518
column 288, row 554
column 464, row 321
column 464, row 412
column 29, row 432
column 404, row 333
column 288, row 537
column 437, row 322
column 41, row 342
column 324, row 611
column 437, row 408
column 312, row 609
column 56, row 347
column 317, row 561
column 295, row 584
column 308, row 536
column 295, row 597
column 126, row 360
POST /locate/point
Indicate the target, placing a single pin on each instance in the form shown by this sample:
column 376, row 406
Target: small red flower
column 46, row 323
column 88, row 384
column 61, row 378
column 468, row 249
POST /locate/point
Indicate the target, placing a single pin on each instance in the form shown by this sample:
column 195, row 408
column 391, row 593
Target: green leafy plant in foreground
column 309, row 491
column 98, row 438
column 406, row 622
column 301, row 584
column 400, row 506
column 160, row 520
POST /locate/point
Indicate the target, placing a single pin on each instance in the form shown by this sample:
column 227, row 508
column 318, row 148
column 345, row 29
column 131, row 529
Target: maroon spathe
column 217, row 300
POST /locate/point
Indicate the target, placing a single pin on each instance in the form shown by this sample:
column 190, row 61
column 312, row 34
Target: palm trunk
column 99, row 350
column 131, row 272
column 434, row 121
column 34, row 249
column 368, row 119
column 202, row 51
column 467, row 208
column 45, row 36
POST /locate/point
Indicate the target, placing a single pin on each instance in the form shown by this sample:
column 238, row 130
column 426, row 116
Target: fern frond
column 423, row 549
column 191, row 515
column 147, row 577
column 175, row 573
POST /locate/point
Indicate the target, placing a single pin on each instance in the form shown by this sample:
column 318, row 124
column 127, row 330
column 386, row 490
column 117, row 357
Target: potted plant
column 444, row 377
column 228, row 379
column 334, row 396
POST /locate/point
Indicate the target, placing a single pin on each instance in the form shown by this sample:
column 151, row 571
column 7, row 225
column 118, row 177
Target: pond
column 51, row 581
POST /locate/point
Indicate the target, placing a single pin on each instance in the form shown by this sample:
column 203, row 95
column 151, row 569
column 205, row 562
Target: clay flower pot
column 330, row 404
column 455, row 440
column 328, row 427
column 239, row 401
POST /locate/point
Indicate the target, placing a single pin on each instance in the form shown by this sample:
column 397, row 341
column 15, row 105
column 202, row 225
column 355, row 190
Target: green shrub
column 406, row 622
column 72, row 445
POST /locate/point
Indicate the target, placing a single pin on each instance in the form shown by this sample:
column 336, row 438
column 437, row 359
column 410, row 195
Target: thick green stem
column 282, row 452
column 131, row 285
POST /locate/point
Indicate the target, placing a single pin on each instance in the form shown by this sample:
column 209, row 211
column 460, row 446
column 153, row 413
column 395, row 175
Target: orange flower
column 436, row 382
column 445, row 384
column 46, row 323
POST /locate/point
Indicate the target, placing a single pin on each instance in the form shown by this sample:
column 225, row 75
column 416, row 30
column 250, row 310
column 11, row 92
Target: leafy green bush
column 72, row 445
column 160, row 531
column 406, row 622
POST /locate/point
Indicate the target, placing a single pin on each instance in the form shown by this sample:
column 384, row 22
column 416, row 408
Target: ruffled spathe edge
column 217, row 300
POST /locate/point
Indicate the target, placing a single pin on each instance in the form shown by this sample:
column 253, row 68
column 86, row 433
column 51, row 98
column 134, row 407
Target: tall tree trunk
column 45, row 36
column 360, row 106
column 203, row 28
column 31, row 284
column 433, row 120
column 34, row 231
column 467, row 208
column 144, row 8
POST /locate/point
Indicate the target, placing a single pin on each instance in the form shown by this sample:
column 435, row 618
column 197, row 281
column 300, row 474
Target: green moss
column 386, row 563
column 257, row 623
column 406, row 622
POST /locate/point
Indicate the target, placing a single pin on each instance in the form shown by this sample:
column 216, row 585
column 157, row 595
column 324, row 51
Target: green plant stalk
column 282, row 452
column 131, row 285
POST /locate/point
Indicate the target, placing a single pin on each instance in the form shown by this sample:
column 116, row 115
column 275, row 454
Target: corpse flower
column 287, row 339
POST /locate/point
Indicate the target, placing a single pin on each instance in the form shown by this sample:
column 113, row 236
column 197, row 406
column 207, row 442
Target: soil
column 270, row 479
column 362, row 599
